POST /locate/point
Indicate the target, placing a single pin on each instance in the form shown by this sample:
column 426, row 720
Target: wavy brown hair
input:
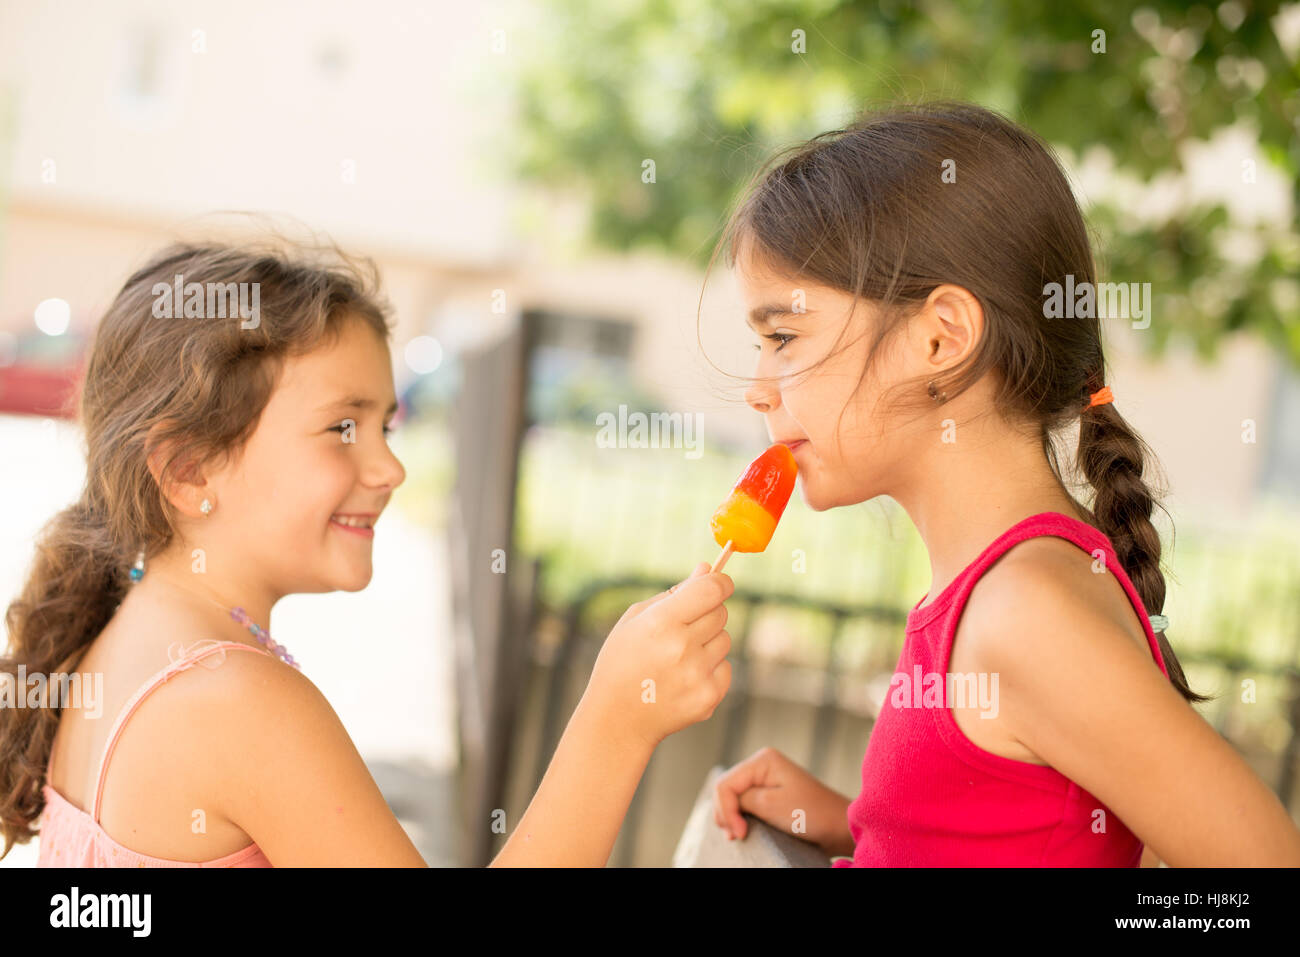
column 197, row 384
column 867, row 210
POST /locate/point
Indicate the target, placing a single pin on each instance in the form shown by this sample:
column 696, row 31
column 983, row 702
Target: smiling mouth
column 363, row 525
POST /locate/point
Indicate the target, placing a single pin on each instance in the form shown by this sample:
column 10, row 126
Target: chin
column 813, row 500
column 358, row 581
column 823, row 500
column 354, row 579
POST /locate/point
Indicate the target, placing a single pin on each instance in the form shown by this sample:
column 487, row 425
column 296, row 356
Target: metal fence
column 568, row 639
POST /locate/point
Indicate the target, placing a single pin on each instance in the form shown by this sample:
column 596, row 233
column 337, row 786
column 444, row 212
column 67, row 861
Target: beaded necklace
column 238, row 614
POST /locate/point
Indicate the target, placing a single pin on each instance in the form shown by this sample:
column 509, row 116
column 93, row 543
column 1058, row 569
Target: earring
column 936, row 394
column 137, row 570
column 205, row 507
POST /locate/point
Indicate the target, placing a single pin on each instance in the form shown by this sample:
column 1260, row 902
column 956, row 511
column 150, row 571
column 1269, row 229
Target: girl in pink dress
column 236, row 408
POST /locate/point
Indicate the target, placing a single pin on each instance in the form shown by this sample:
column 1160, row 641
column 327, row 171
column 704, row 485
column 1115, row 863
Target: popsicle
column 746, row 520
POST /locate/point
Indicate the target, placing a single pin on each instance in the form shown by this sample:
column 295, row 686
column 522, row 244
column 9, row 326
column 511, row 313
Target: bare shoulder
column 1034, row 618
column 232, row 702
column 1042, row 582
column 243, row 707
column 285, row 770
column 186, row 746
column 237, row 681
column 1084, row 696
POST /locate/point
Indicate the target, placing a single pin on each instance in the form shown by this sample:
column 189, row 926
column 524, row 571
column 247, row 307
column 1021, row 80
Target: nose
column 385, row 469
column 763, row 396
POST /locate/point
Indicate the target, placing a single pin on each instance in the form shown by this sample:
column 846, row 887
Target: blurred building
column 391, row 132
column 125, row 126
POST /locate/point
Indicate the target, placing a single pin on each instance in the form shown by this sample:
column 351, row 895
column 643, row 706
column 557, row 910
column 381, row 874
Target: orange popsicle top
column 748, row 517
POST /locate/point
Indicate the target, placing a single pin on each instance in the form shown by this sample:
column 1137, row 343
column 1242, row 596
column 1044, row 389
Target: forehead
column 770, row 292
column 353, row 359
column 756, row 271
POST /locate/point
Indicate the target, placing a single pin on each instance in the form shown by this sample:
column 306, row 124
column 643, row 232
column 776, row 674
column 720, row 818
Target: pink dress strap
column 188, row 659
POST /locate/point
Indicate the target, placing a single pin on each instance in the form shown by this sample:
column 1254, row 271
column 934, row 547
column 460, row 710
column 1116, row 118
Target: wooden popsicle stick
column 722, row 559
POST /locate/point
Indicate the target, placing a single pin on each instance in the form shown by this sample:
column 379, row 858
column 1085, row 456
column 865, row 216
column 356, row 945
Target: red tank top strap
column 188, row 658
column 1088, row 538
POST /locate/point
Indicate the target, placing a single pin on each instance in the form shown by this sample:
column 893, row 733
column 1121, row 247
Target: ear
column 952, row 323
column 180, row 479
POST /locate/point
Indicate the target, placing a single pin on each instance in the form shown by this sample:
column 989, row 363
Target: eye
column 341, row 427
column 781, row 338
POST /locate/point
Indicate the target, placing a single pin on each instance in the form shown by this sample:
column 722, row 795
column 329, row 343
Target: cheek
column 803, row 397
column 824, row 405
column 295, row 486
column 326, row 477
column 254, row 491
column 835, row 412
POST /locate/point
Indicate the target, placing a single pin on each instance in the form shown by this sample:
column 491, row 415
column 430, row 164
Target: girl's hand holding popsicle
column 663, row 666
column 669, row 651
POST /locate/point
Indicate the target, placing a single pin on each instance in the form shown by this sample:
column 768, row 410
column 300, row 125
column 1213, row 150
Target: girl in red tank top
column 924, row 295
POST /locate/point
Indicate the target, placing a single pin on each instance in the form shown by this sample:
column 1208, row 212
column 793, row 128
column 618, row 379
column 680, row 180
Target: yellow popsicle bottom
column 743, row 522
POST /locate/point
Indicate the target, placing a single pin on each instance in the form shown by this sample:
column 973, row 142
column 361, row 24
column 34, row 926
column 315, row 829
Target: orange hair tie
column 1100, row 397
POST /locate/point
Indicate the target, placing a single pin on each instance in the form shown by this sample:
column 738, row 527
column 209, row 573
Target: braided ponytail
column 861, row 210
column 1112, row 456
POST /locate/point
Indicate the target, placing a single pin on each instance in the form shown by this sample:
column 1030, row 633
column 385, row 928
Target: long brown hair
column 199, row 384
column 913, row 196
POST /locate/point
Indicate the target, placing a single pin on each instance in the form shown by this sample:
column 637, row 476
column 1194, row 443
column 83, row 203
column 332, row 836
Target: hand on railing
column 777, row 791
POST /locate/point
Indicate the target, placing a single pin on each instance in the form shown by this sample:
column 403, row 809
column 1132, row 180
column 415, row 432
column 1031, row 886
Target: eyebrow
column 356, row 402
column 763, row 315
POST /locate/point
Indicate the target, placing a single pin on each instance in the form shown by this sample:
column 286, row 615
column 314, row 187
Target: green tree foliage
column 707, row 90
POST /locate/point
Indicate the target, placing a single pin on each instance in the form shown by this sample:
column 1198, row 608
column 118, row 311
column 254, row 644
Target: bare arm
column 575, row 816
column 671, row 645
column 1094, row 706
column 288, row 774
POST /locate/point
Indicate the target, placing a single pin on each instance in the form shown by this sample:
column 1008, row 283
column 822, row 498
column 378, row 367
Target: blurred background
column 542, row 185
